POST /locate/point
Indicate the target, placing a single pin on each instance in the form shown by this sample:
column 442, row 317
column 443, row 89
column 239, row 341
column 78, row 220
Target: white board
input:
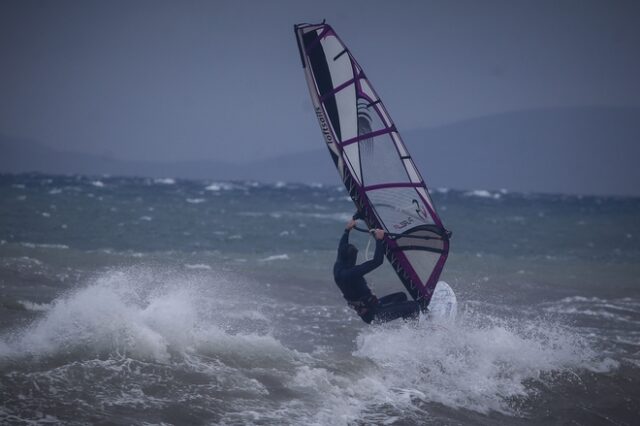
column 444, row 304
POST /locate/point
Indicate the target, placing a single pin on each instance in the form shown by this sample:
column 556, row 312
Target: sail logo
column 324, row 126
column 403, row 224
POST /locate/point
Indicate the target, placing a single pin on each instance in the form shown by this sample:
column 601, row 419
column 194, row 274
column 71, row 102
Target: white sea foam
column 219, row 186
column 482, row 193
column 165, row 181
column 195, row 200
column 55, row 191
column 34, row 306
column 275, row 257
column 180, row 320
column 97, row 183
column 620, row 310
column 145, row 315
column 475, row 366
column 197, row 266
column 46, row 246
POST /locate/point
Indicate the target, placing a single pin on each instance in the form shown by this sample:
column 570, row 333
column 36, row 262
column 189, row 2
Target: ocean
column 136, row 301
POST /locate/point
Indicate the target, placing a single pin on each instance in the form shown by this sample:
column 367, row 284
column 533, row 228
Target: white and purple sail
column 372, row 160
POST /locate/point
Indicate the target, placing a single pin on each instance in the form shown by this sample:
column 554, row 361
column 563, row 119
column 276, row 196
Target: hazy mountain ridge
column 521, row 151
column 535, row 151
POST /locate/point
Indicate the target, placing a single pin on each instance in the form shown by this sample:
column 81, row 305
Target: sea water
column 167, row 301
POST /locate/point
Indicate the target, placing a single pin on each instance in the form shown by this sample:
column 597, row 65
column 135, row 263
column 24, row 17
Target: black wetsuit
column 350, row 279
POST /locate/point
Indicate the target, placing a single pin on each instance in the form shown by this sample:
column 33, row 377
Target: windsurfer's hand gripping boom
column 377, row 233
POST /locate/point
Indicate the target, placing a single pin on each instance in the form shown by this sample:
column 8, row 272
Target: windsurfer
column 350, row 279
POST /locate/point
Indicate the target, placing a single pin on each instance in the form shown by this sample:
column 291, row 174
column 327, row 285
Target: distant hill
column 585, row 150
column 570, row 150
column 21, row 155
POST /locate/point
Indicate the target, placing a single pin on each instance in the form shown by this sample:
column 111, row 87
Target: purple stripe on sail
column 369, row 135
column 325, row 32
column 435, row 275
column 393, row 185
column 339, row 88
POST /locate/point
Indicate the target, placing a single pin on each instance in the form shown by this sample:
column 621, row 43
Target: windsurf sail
column 372, row 161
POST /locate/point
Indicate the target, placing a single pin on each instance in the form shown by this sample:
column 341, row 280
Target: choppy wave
column 164, row 181
column 46, row 246
column 483, row 193
column 34, row 306
column 220, row 186
column 480, row 366
column 275, row 257
column 123, row 312
column 197, row 266
column 145, row 339
column 620, row 310
column 195, row 200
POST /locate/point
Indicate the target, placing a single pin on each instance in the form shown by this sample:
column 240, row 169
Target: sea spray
column 480, row 362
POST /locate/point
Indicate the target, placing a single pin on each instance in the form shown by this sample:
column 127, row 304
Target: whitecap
column 146, row 315
column 482, row 193
column 197, row 266
column 45, row 246
column 165, row 181
column 97, row 183
column 275, row 257
column 219, row 186
column 195, row 200
column 34, row 306
column 28, row 259
column 479, row 363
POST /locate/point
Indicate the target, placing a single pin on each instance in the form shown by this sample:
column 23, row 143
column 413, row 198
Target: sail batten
column 372, row 161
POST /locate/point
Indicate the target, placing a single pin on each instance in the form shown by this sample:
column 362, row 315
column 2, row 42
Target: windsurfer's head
column 351, row 255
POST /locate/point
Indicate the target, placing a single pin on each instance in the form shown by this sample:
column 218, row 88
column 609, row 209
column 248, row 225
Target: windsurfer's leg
column 393, row 298
column 404, row 310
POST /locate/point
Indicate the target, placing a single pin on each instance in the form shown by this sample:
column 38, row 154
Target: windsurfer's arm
column 344, row 241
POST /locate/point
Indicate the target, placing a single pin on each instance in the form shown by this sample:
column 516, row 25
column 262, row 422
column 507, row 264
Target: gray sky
column 161, row 80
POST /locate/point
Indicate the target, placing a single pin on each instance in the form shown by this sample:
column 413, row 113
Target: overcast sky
column 178, row 80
